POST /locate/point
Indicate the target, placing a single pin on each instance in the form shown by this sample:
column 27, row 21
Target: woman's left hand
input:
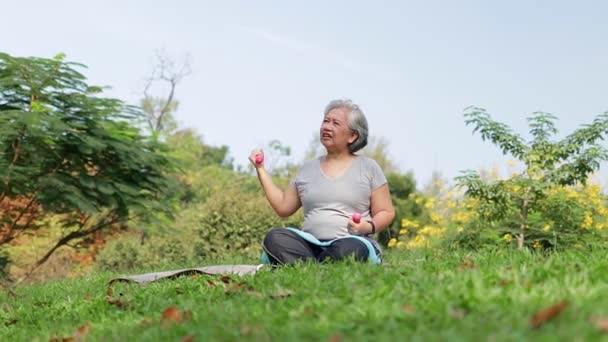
column 361, row 228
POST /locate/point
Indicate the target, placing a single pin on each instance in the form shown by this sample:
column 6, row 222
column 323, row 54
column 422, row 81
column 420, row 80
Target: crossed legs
column 286, row 247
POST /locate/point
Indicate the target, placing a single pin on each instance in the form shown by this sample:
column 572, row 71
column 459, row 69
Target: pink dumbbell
column 357, row 217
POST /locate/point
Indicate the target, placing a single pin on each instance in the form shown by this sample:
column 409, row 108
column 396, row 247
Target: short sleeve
column 376, row 175
column 301, row 172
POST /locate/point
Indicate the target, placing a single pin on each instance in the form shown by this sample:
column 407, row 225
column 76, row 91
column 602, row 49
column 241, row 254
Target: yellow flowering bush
column 548, row 203
column 445, row 210
column 452, row 217
column 548, row 188
column 410, row 210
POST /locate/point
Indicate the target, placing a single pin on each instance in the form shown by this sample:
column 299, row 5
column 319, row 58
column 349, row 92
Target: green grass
column 490, row 296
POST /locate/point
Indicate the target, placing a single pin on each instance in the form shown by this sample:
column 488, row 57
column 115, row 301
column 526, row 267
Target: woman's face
column 335, row 133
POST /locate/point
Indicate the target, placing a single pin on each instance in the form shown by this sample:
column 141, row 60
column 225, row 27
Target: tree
column 193, row 158
column 192, row 153
column 159, row 109
column 436, row 185
column 315, row 148
column 277, row 159
column 548, row 164
column 377, row 149
column 402, row 187
column 68, row 152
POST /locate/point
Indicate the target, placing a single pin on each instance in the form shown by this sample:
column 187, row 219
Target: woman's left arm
column 382, row 212
column 382, row 209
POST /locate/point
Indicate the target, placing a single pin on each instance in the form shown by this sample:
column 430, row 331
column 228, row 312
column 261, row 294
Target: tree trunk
column 523, row 223
column 66, row 239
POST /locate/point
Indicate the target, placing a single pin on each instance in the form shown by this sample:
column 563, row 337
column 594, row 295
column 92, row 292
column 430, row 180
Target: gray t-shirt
column 329, row 203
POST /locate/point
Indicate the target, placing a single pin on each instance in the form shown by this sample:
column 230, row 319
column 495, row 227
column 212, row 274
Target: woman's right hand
column 257, row 158
column 284, row 203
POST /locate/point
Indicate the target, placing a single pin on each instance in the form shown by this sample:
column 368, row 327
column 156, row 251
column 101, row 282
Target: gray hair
column 356, row 122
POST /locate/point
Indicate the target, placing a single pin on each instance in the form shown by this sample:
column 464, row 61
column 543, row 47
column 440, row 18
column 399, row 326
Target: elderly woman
column 333, row 190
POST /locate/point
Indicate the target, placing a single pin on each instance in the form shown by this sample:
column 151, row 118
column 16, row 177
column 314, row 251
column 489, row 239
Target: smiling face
column 335, row 133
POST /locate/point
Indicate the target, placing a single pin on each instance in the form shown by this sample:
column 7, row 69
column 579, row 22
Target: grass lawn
column 453, row 296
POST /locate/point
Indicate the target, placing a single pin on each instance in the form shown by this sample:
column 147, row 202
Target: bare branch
column 17, row 150
column 11, row 232
column 165, row 109
column 165, row 71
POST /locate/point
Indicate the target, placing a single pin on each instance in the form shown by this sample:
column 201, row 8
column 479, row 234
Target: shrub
column 232, row 222
column 523, row 202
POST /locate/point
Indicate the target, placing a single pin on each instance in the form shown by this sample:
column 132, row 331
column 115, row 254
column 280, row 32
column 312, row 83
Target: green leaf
column 56, row 131
column 105, row 188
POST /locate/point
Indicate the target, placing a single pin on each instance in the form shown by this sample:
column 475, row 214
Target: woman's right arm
column 284, row 203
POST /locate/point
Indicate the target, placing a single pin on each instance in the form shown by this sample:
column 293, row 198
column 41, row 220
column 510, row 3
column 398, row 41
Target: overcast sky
column 264, row 70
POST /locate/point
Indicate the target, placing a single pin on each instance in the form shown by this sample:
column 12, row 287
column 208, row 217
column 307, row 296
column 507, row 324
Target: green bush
column 129, row 254
column 232, row 222
column 523, row 202
column 226, row 220
column 403, row 194
column 122, row 254
column 4, row 265
column 474, row 237
column 568, row 217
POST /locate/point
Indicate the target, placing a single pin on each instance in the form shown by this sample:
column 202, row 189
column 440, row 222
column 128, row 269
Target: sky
column 264, row 70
